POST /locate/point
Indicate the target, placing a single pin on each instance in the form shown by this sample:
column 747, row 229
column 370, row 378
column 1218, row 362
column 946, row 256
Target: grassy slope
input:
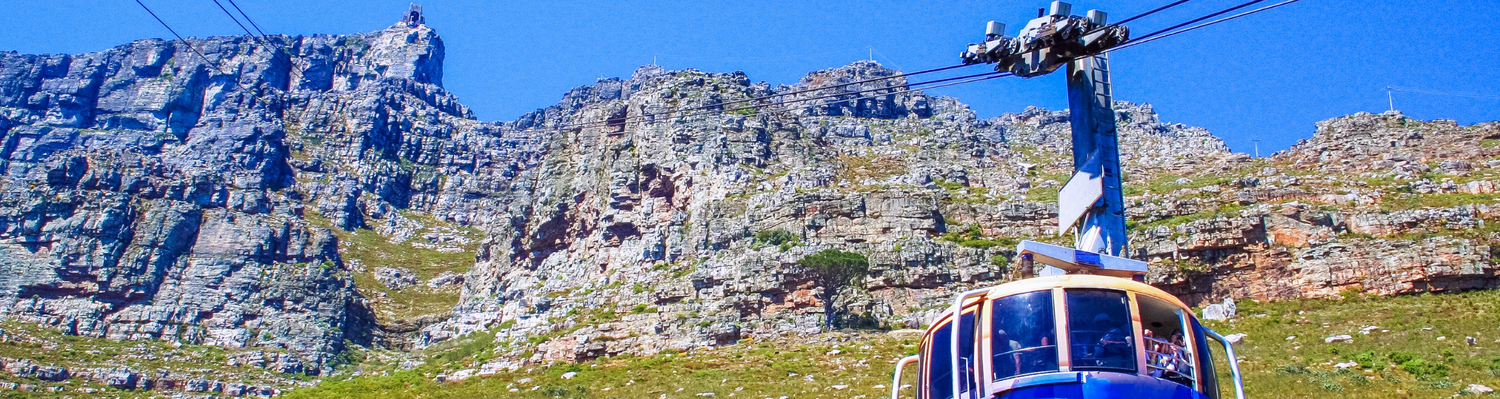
column 373, row 250
column 49, row 347
column 1303, row 367
column 750, row 370
column 1275, row 367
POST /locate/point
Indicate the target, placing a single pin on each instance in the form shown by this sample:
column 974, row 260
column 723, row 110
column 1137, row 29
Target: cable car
column 1089, row 328
column 1083, row 332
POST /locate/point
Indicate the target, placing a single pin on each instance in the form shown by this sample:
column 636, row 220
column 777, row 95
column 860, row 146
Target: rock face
column 150, row 193
column 1363, row 206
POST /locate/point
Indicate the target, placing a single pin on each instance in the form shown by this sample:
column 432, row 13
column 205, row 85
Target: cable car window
column 940, row 381
column 939, row 372
column 1100, row 331
column 1024, row 339
column 1167, row 354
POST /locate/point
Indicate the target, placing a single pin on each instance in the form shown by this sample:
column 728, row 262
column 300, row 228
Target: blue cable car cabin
column 1068, row 336
column 1092, row 329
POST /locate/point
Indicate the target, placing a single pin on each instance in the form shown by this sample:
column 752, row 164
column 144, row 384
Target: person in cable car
column 1181, row 366
column 1155, row 354
column 1009, row 361
column 1114, row 349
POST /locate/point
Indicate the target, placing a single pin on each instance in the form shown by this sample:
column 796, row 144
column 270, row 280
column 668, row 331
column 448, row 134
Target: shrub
column 1423, row 369
column 1369, row 360
column 1400, row 358
column 1289, row 369
column 773, row 238
column 1000, row 260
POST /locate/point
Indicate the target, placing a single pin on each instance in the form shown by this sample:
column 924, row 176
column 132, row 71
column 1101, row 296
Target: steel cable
column 1194, row 21
column 214, row 65
column 1135, row 42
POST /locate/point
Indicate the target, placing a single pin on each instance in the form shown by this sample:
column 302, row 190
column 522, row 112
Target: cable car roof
column 1066, row 281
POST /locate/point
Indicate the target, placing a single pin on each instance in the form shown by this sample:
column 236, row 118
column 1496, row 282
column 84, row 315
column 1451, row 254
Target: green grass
column 1222, row 211
column 749, row 370
column 1045, row 195
column 1168, row 182
column 373, row 250
column 958, row 192
column 48, row 347
column 1406, row 362
column 972, row 237
column 1399, row 202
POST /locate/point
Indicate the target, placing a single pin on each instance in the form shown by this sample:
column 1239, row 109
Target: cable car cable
column 236, row 20
column 912, row 87
column 263, row 38
column 1204, row 25
column 1136, row 17
column 215, row 66
column 1443, row 93
column 1163, row 33
column 1147, row 13
column 977, row 79
column 1194, row 21
column 252, row 35
column 247, row 18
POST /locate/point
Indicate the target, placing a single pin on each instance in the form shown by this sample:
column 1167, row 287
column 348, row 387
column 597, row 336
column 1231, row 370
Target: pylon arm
column 1047, row 43
column 1075, row 261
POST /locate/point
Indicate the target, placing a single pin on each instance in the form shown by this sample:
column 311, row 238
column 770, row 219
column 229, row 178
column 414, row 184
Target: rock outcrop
column 150, row 193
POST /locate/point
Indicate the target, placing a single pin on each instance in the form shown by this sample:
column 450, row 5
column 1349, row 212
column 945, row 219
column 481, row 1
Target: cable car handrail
column 1026, row 350
column 1234, row 363
column 1178, row 361
column 896, row 381
column 958, row 319
column 1018, row 352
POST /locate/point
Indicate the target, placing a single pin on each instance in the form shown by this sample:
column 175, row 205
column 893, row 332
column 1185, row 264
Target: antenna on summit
column 1390, row 97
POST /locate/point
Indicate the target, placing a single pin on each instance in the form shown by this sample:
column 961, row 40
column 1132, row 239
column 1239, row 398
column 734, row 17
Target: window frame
column 987, row 335
column 1190, row 335
column 924, row 379
column 1135, row 326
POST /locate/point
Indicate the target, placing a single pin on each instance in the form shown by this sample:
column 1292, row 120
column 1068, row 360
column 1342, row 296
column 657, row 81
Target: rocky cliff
column 290, row 198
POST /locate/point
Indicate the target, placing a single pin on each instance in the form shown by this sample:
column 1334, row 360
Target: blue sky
column 1268, row 77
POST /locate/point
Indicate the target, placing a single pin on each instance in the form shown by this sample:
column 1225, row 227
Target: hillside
column 284, row 212
column 1412, row 346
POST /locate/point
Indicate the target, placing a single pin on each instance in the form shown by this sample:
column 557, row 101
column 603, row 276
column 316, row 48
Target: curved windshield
column 939, row 369
column 1024, row 339
column 1100, row 330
